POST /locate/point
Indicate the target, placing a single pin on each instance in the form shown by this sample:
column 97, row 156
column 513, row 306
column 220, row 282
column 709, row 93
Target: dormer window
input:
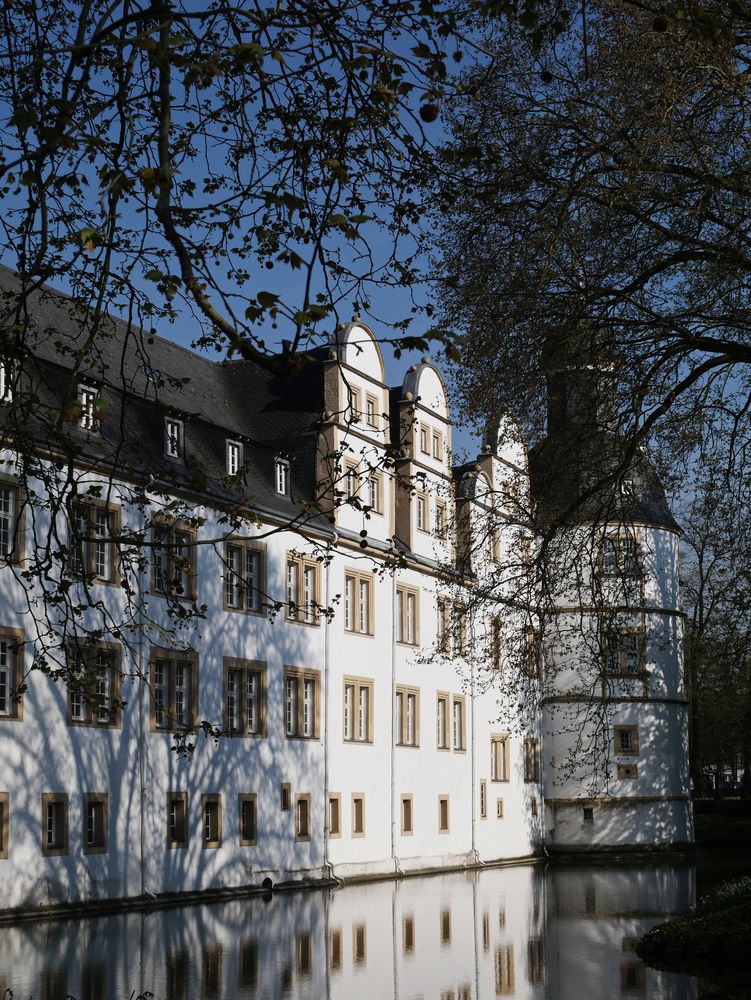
column 173, row 437
column 6, row 382
column 234, row 457
column 88, row 396
column 282, row 476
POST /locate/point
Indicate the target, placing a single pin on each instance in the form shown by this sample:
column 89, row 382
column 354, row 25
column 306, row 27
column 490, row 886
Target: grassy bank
column 715, row 939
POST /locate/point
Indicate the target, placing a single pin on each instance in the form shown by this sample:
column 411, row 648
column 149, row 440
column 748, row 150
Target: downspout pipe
column 328, row 867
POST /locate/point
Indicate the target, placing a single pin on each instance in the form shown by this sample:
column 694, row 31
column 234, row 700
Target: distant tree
column 716, row 590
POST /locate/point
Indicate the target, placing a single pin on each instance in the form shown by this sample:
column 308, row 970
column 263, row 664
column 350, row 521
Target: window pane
column 7, row 517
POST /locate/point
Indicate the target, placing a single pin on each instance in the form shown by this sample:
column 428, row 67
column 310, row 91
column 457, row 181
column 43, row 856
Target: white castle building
column 293, row 560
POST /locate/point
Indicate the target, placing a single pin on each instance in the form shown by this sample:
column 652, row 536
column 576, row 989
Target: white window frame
column 173, row 437
column 233, row 456
column 281, row 476
column 87, row 397
column 358, row 710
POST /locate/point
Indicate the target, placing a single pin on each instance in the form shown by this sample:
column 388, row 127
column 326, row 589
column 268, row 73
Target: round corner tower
column 614, row 708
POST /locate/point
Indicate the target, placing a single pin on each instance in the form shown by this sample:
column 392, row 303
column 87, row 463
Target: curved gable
column 357, row 347
column 503, row 437
column 425, row 381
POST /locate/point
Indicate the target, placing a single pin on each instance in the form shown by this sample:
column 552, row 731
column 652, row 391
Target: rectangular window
column 285, row 799
column 406, row 801
column 442, row 721
column 358, row 944
column 173, row 437
column 11, row 536
column 177, row 819
column 54, row 823
column 459, row 628
column 358, row 815
column 302, row 818
column 620, row 555
column 437, row 445
column 4, row 825
column 173, row 569
column 234, row 457
column 375, row 493
column 94, row 528
column 505, row 980
column 244, row 576
column 624, row 652
column 355, row 410
column 11, row 669
column 531, row 759
column 335, row 950
column 96, row 822
column 407, row 615
column 358, row 700
column 457, row 722
column 301, row 710
column 443, row 814
column 408, row 932
column 532, row 652
column 88, row 401
column 407, row 716
column 245, row 697
column 358, row 612
column 443, row 631
column 423, row 520
column 627, row 741
column 7, row 379
column 495, row 644
column 174, row 689
column 445, row 926
column 248, row 818
column 440, row 519
column 499, row 808
column 483, row 799
column 302, row 590
column 499, row 757
column 371, row 411
column 351, row 482
column 424, row 440
column 281, row 476
column 93, row 680
column 535, row 961
column 335, row 814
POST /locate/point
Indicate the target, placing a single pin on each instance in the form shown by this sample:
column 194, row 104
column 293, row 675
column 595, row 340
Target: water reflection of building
column 400, row 734
column 528, row 932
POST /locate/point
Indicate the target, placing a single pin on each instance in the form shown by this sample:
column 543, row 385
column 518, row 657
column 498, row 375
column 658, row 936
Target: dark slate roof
column 142, row 377
column 573, row 475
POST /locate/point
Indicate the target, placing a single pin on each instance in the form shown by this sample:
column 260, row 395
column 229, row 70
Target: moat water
column 532, row 931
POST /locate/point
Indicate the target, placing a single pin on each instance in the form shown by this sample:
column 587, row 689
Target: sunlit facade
column 371, row 723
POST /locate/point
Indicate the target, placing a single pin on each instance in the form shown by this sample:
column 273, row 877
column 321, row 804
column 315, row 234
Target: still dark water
column 527, row 931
